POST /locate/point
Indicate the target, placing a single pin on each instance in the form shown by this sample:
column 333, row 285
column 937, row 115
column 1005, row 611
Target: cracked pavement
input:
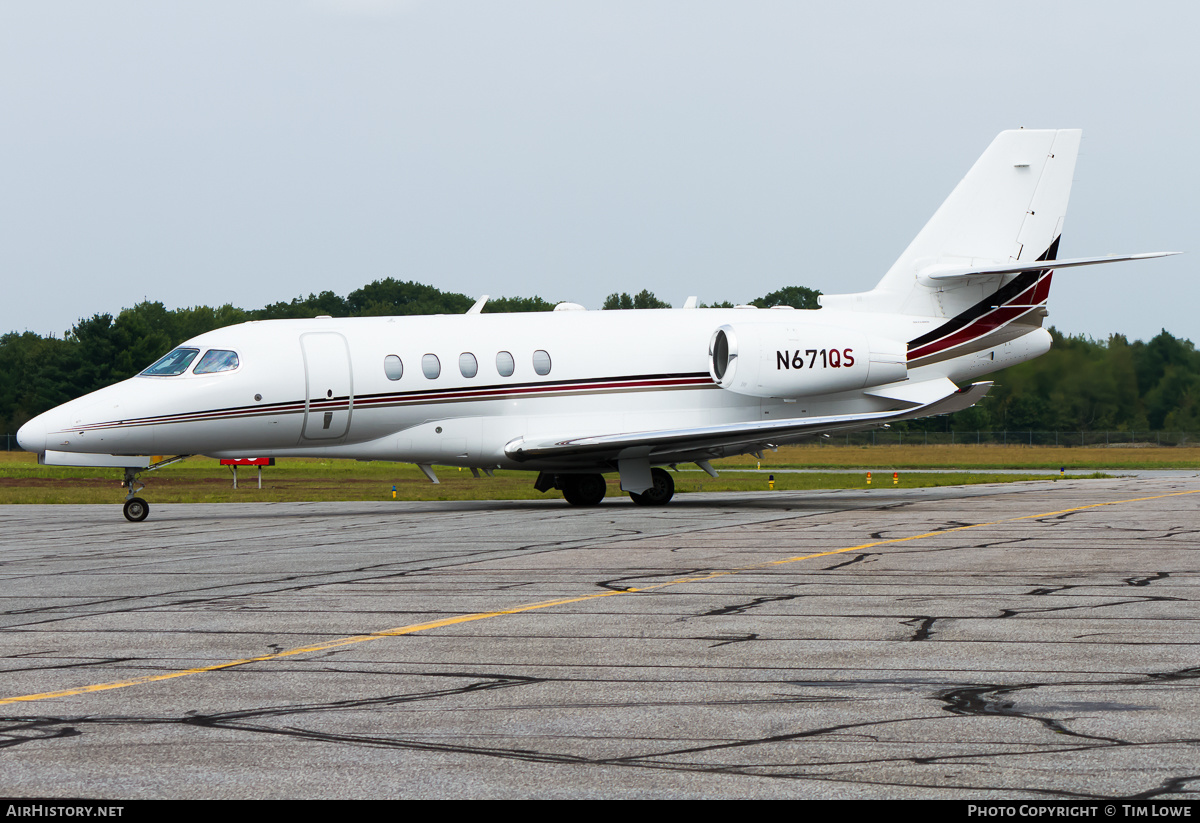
column 1010, row 641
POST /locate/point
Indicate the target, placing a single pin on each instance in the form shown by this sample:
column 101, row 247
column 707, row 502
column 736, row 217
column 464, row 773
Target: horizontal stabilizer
column 952, row 272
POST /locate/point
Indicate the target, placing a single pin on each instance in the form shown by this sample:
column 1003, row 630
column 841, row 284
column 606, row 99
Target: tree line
column 1086, row 385
column 1080, row 385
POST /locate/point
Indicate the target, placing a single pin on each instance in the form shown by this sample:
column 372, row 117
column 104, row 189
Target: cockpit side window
column 172, row 363
column 215, row 360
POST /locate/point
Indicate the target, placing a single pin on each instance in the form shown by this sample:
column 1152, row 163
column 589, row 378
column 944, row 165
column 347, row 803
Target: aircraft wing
column 682, row 445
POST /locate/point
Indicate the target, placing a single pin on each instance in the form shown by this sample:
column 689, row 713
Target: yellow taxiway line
column 468, row 618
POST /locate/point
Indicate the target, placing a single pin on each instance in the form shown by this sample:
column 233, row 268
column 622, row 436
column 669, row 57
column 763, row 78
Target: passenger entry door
column 329, row 392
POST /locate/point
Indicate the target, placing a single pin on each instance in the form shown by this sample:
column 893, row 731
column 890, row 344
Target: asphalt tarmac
column 1032, row 640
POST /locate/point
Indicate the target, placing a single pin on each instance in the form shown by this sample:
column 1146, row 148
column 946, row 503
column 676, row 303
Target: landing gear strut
column 660, row 493
column 136, row 509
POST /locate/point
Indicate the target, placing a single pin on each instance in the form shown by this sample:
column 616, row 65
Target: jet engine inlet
column 721, row 353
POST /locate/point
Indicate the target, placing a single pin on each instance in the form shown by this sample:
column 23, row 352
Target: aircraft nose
column 32, row 436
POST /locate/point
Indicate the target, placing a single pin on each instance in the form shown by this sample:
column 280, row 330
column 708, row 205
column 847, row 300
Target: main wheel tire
column 590, row 489
column 660, row 493
column 570, row 490
column 584, row 489
column 136, row 510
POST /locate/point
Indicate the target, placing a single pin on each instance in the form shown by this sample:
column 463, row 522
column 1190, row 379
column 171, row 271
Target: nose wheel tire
column 136, row 509
column 660, row 493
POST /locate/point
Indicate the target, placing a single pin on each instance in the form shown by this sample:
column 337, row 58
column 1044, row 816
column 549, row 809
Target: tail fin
column 1009, row 208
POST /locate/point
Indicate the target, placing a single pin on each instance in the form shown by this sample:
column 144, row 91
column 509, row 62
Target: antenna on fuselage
column 479, row 304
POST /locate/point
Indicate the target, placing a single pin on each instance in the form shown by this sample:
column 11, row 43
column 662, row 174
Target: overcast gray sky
column 248, row 152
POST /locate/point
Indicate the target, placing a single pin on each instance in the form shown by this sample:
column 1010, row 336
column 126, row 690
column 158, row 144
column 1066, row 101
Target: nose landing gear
column 136, row 509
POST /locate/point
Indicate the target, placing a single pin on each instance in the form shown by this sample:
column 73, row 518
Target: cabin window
column 505, row 364
column 393, row 367
column 172, row 363
column 431, row 366
column 468, row 365
column 541, row 362
column 215, row 360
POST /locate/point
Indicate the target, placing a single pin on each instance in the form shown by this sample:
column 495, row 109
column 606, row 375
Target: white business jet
column 572, row 394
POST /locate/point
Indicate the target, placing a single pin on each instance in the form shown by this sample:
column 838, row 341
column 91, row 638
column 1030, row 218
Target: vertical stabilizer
column 1010, row 207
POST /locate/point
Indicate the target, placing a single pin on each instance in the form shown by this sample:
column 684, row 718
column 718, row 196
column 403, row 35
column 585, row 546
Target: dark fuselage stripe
column 1025, row 289
column 430, row 396
column 984, row 325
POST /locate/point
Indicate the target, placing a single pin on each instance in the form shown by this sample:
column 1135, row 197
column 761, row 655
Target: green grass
column 203, row 480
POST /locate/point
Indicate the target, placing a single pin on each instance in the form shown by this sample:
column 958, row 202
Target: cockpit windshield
column 215, row 360
column 172, row 363
column 177, row 362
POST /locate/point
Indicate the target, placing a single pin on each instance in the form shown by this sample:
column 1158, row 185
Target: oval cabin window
column 505, row 364
column 393, row 367
column 431, row 366
column 541, row 362
column 468, row 365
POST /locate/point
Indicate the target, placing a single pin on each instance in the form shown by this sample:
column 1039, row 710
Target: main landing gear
column 660, row 493
column 589, row 489
column 578, row 489
column 583, row 489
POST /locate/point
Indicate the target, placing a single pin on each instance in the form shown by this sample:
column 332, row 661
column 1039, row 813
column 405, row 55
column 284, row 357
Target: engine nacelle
column 794, row 360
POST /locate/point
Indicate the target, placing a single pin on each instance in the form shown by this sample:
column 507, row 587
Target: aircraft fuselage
column 456, row 389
